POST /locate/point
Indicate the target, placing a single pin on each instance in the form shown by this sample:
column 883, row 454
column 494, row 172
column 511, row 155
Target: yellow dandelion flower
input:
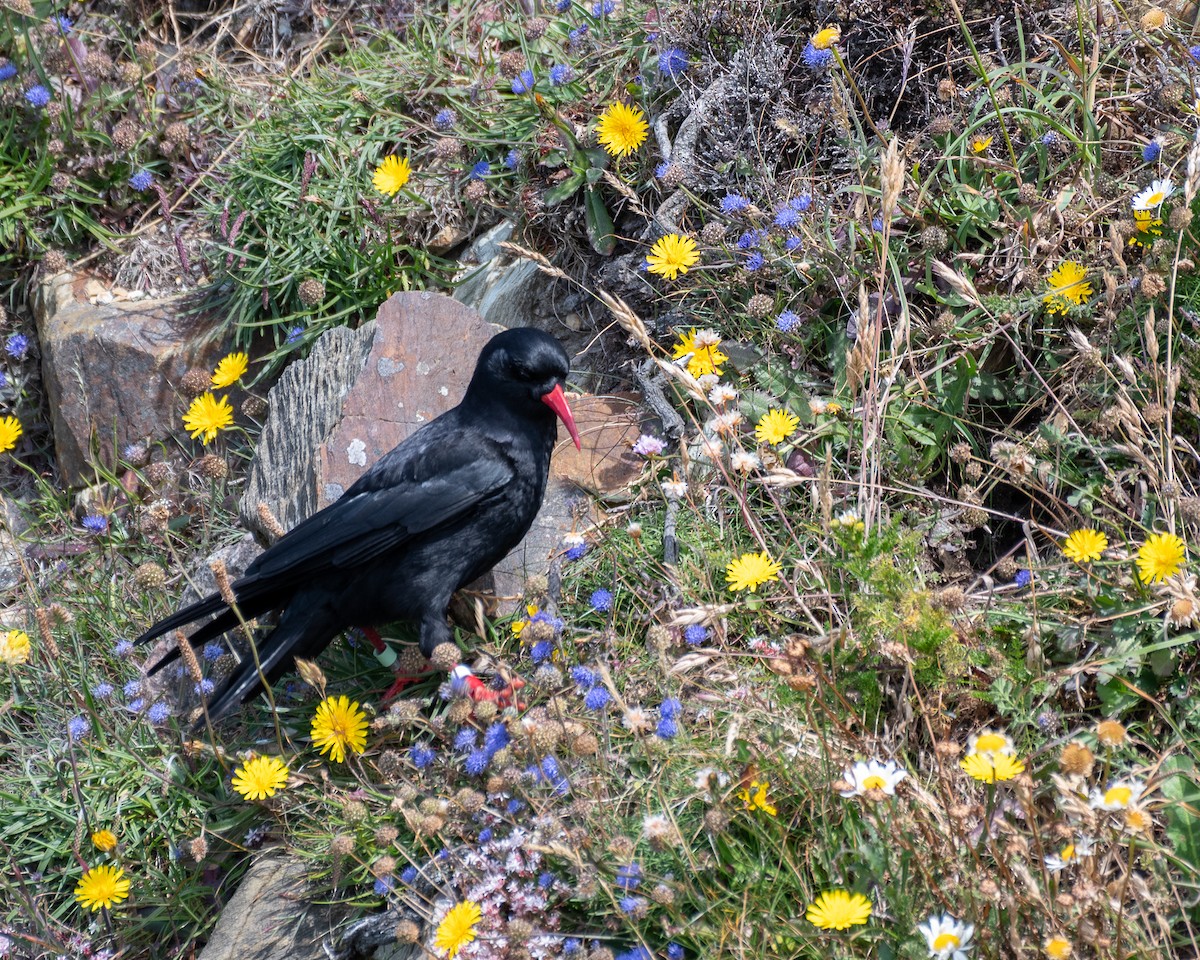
column 229, row 371
column 391, row 175
column 14, row 647
column 457, row 928
column 776, row 426
column 208, row 416
column 10, row 433
column 261, row 777
column 702, row 349
column 992, row 767
column 750, row 571
column 104, row 840
column 1057, row 947
column 979, row 144
column 755, row 797
column 1084, row 546
column 672, row 255
column 1068, row 285
column 518, row 626
column 1149, row 228
column 622, row 129
column 824, row 39
column 1161, row 556
column 838, row 910
column 101, row 887
column 337, row 725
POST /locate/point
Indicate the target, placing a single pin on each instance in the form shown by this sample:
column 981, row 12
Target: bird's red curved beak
column 558, row 403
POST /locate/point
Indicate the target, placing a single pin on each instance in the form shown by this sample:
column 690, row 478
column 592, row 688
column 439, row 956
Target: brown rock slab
column 109, row 370
column 270, row 917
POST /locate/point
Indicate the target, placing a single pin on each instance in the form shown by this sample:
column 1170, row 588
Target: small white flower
column 637, row 720
column 742, row 461
column 1152, row 197
column 707, row 777
column 1118, row 796
column 946, row 937
column 674, row 489
column 722, row 394
column 1063, row 859
column 873, row 775
column 574, row 540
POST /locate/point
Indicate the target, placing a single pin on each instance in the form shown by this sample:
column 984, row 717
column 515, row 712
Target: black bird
column 436, row 512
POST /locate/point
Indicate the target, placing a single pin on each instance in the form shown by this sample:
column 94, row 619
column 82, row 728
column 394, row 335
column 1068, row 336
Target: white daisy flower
column 1118, row 796
column 990, row 741
column 1063, row 859
column 946, row 937
column 1152, row 197
column 873, row 775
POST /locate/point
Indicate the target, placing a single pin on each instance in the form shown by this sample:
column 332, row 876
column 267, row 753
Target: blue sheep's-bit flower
column 561, row 73
column 672, row 62
column 142, row 180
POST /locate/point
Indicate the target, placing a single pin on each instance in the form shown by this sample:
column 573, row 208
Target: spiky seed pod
column 1153, row 284
column 212, row 467
column 59, row 182
column 935, row 240
column 385, row 866
column 125, row 135
column 406, row 793
column 518, row 931
column 177, row 133
column 1027, row 193
column 459, row 711
column 447, row 148
column 713, row 232
column 195, row 382
column 311, row 292
column 535, row 27
column 585, row 745
column 485, row 710
column 940, row 125
column 55, row 147
column 471, row 801
column 445, row 657
column 341, row 845
column 429, row 806
column 22, row 7
column 1180, row 219
column 537, row 631
column 99, row 64
column 476, row 191
column 537, row 585
column 546, row 736
column 511, row 64
column 391, row 765
column 431, row 824
column 586, row 886
column 662, row 895
column 223, row 666
column 759, row 305
column 503, row 755
column 149, row 576
column 411, row 662
column 130, row 73
column 1006, row 569
column 496, row 784
column 672, row 176
column 386, row 835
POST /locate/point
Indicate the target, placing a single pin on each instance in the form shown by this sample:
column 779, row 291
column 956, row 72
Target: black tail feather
column 193, row 611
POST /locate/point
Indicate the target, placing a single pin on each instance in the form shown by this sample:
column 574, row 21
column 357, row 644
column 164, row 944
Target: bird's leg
column 387, row 656
column 463, row 678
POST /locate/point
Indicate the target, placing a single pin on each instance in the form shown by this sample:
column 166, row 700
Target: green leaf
column 1182, row 815
column 567, row 188
column 599, row 223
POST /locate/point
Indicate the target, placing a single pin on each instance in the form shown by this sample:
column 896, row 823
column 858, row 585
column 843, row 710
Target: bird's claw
column 463, row 678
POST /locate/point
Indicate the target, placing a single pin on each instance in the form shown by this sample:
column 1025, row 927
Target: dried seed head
column 198, row 848
column 951, row 599
column 383, row 867
column 149, row 576
column 713, row 232
column 485, row 710
column 935, row 239
column 341, row 845
column 1027, row 193
column 621, row 847
column 658, row 637
column 511, row 64
column 445, row 657
column 1153, row 19
column 386, row 835
column 759, row 305
column 535, row 27
column 672, row 176
column 355, row 811
column 195, row 382
column 471, row 801
column 518, row 931
column 59, row 182
column 1110, row 733
column 125, row 135
column 941, row 125
column 54, row 261
column 947, row 89
column 585, row 745
column 254, row 407
column 537, row 631
column 476, row 191
column 716, row 821
column 662, row 895
column 311, row 292
column 1076, row 759
column 212, row 467
column 407, row 932
column 1006, row 569
column 431, row 824
column 459, row 711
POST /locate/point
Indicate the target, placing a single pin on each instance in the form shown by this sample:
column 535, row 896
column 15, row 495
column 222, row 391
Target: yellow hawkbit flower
column 1057, row 947
column 750, row 571
column 1084, row 546
column 457, row 928
column 755, row 797
column 1160, row 557
column 208, row 416
column 992, row 767
column 10, row 433
column 826, row 38
column 622, row 129
column 391, row 175
column 102, row 887
column 672, row 255
column 701, row 349
column 1068, row 285
column 980, row 143
column 260, row 778
column 104, row 840
column 838, row 910
column 229, row 371
column 339, row 725
column 776, row 426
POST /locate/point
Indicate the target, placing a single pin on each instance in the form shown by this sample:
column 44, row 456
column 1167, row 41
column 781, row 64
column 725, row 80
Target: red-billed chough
column 433, row 514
